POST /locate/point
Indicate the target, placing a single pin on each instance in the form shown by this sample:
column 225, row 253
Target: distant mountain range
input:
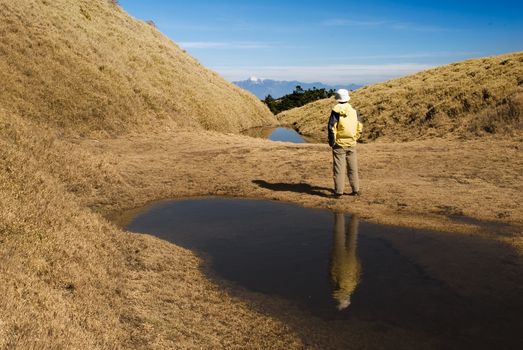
column 278, row 88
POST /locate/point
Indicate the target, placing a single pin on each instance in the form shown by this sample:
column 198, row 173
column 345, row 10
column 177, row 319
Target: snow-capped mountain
column 278, row 88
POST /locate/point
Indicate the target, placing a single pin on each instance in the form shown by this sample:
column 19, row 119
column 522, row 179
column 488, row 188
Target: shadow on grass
column 295, row 187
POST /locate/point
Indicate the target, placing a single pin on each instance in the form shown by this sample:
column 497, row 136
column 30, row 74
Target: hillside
column 100, row 113
column 74, row 70
column 464, row 99
column 87, row 66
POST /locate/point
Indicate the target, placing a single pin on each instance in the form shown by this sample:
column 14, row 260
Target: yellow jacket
column 344, row 127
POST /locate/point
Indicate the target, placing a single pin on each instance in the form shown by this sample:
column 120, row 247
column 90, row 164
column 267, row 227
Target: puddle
column 276, row 134
column 463, row 291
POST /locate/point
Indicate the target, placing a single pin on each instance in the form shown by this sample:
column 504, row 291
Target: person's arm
column 359, row 127
column 331, row 128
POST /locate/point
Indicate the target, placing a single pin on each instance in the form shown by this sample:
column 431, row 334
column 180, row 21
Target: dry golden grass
column 88, row 67
column 69, row 276
column 76, row 72
column 460, row 100
column 69, row 279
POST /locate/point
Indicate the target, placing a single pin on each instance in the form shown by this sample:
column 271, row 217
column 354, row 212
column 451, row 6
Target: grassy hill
column 88, row 66
column 99, row 113
column 68, row 278
column 464, row 99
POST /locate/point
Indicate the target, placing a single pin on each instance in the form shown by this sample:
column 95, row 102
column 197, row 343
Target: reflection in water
column 345, row 267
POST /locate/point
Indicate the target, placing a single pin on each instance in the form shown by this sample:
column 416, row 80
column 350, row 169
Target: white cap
column 343, row 304
column 342, row 95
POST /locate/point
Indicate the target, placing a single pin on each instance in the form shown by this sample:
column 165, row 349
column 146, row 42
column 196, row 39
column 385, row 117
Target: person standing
column 344, row 130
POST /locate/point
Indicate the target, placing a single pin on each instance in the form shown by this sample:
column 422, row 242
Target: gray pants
column 345, row 162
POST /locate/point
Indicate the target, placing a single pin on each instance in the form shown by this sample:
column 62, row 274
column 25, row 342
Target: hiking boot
column 336, row 195
column 355, row 193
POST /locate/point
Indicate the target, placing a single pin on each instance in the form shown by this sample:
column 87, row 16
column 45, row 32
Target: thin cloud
column 348, row 22
column 209, row 45
column 227, row 26
column 418, row 27
column 421, row 55
column 439, row 57
column 335, row 22
column 166, row 25
column 332, row 74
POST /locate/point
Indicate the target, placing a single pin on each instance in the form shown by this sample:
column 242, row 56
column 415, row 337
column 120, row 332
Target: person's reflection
column 345, row 265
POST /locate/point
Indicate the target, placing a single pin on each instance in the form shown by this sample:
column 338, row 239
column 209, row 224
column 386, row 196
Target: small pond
column 276, row 134
column 464, row 291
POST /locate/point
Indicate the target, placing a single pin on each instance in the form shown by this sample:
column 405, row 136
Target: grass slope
column 464, row 99
column 71, row 280
column 91, row 119
column 68, row 278
column 87, row 66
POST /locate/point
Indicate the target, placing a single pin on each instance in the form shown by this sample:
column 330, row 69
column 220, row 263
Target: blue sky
column 341, row 42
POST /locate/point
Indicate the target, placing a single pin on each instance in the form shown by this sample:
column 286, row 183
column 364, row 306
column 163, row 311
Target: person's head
column 342, row 96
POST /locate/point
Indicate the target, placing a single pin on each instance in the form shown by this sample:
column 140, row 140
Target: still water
column 276, row 134
column 465, row 291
